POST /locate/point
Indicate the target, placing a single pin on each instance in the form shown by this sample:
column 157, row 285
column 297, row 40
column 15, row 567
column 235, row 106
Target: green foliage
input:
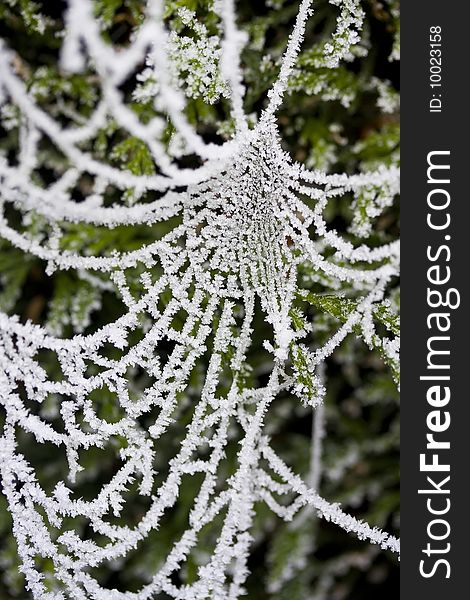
column 134, row 156
column 29, row 10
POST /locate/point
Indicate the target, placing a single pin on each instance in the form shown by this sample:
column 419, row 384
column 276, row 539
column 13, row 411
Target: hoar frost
column 242, row 231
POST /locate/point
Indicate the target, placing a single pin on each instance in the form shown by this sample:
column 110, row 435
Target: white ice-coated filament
column 242, row 228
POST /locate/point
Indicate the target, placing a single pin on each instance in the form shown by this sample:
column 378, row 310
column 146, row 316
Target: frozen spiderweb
column 242, row 227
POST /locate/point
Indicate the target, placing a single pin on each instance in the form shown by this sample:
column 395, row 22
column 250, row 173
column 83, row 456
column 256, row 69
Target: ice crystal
column 239, row 225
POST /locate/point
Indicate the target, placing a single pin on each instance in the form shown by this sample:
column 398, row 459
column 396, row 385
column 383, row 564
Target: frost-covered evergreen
column 199, row 260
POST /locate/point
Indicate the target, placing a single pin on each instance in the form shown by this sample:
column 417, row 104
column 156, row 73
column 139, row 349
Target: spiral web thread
column 242, row 231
